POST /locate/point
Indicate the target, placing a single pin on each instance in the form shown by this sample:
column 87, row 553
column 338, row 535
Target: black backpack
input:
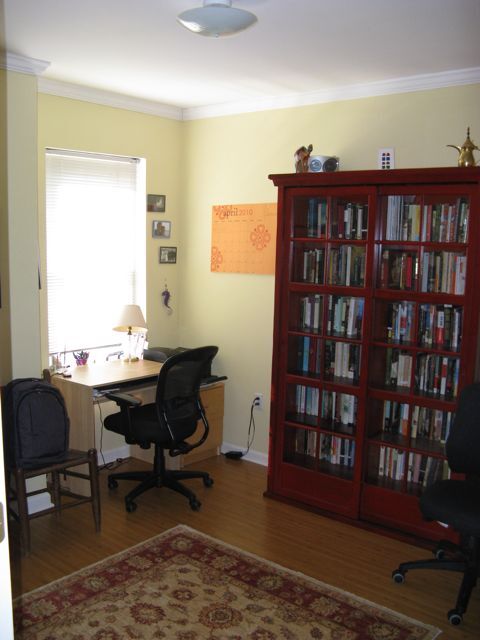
column 35, row 423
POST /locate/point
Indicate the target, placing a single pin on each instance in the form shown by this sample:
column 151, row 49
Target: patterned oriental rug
column 184, row 585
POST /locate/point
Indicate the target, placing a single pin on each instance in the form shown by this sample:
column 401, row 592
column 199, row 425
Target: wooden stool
column 19, row 493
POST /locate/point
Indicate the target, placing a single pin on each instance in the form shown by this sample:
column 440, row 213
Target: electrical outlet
column 386, row 158
column 258, row 401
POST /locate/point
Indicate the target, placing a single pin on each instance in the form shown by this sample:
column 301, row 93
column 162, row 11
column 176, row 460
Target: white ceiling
column 299, row 48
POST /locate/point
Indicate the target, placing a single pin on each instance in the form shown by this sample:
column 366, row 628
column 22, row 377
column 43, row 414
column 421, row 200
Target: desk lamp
column 131, row 321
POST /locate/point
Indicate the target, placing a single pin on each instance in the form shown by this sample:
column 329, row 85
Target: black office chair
column 456, row 503
column 167, row 424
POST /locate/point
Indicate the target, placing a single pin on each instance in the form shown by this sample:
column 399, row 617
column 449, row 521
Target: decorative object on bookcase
column 375, row 336
column 465, row 152
column 301, row 156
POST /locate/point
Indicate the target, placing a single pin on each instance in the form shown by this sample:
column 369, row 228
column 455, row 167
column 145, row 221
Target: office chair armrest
column 182, row 447
column 123, row 399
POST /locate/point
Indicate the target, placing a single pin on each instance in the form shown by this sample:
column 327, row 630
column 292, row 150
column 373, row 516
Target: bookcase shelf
column 375, row 334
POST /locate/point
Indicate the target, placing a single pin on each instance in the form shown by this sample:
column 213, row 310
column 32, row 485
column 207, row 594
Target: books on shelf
column 400, row 321
column 337, row 450
column 342, row 360
column 395, row 417
column 306, row 442
column 313, row 265
column 443, row 272
column 350, row 221
column 308, row 355
column 398, row 269
column 446, row 222
column 403, row 219
column 345, row 315
column 307, row 400
column 437, row 375
column 424, row 470
column 316, row 217
column 311, row 313
column 391, row 463
column 338, row 409
column 440, row 326
column 346, row 265
column 398, row 368
column 431, row 424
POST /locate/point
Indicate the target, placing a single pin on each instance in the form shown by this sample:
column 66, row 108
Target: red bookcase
column 375, row 333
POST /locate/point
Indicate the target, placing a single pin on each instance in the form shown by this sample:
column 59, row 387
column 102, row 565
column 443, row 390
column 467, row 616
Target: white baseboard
column 251, row 456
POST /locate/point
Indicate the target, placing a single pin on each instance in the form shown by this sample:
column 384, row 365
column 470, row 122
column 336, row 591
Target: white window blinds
column 95, row 233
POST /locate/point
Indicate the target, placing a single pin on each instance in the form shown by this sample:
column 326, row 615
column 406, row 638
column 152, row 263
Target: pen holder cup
column 80, row 358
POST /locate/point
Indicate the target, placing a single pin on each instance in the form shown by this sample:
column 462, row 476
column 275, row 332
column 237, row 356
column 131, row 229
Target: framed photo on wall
column 168, row 255
column 155, row 203
column 161, row 229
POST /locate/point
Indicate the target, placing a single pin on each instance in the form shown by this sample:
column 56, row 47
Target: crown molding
column 22, row 64
column 407, row 84
column 107, row 98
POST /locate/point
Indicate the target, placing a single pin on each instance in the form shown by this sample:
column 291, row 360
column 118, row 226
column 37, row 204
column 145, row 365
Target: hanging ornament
column 166, row 295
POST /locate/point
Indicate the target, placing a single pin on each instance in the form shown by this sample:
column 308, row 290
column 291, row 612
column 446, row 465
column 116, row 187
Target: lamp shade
column 216, row 18
column 131, row 319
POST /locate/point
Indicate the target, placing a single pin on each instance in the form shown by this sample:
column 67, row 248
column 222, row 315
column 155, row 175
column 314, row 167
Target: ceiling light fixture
column 216, row 18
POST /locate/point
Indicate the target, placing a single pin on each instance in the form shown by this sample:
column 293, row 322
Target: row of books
column 346, row 266
column 443, row 272
column 395, row 417
column 430, row 424
column 311, row 308
column 316, row 218
column 425, row 470
column 337, row 450
column 306, row 442
column 398, row 368
column 313, row 265
column 308, row 355
column 445, row 222
column 421, row 469
column 400, row 321
column 403, row 219
column 345, row 316
column 306, row 400
column 340, row 409
column 398, row 269
column 350, row 221
column 440, row 326
column 342, row 360
column 437, row 375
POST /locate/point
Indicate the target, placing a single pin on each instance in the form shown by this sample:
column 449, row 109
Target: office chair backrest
column 463, row 444
column 178, row 388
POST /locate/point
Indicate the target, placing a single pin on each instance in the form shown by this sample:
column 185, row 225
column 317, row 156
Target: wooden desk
column 140, row 378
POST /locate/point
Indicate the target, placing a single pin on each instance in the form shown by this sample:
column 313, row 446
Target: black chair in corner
column 166, row 424
column 456, row 503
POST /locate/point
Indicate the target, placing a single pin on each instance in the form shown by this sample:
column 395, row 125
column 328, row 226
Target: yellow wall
column 72, row 124
column 227, row 160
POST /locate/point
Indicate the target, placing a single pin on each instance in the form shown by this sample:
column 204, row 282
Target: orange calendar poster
column 243, row 238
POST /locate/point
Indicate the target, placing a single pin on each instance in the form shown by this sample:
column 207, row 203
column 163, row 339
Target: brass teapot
column 465, row 153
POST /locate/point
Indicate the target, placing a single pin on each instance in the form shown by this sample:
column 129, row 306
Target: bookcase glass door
column 416, row 348
column 325, row 312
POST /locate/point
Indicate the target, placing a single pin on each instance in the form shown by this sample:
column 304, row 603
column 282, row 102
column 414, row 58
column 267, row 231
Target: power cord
column 235, row 454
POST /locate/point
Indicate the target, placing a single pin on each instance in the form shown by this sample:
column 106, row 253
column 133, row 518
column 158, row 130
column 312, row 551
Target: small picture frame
column 155, row 203
column 161, row 228
column 168, row 255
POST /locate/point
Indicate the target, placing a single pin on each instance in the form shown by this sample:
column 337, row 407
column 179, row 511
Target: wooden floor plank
column 235, row 510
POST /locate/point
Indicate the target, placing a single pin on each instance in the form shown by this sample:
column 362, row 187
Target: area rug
column 184, row 585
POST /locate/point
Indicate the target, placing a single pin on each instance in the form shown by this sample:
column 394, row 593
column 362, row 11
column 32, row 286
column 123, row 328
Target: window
column 95, row 244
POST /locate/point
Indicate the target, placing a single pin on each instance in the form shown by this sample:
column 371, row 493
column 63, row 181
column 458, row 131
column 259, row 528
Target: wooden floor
column 234, row 510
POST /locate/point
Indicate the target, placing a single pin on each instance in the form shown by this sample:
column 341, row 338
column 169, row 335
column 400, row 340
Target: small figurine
column 465, row 153
column 301, row 158
column 166, row 295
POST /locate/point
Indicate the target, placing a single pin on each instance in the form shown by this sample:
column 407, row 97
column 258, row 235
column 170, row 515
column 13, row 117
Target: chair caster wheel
column 440, row 554
column 112, row 483
column 208, row 482
column 454, row 617
column 195, row 504
column 398, row 576
column 130, row 506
